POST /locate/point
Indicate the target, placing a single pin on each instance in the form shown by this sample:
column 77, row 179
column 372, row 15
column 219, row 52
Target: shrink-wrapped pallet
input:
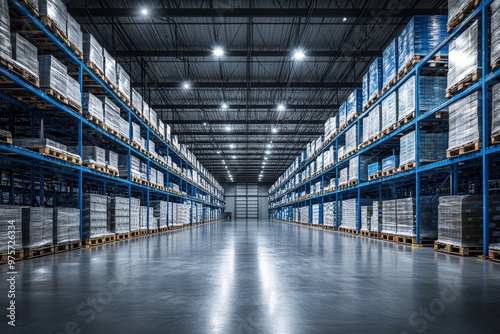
column 432, row 147
column 375, row 78
column 351, row 139
column 353, row 106
column 53, row 74
column 432, row 94
column 390, row 163
column 24, row 53
column 66, row 225
column 365, row 88
column 118, row 214
column 389, row 216
column 495, row 110
column 94, row 155
column 390, row 62
column 376, row 218
column 109, row 66
column 95, row 216
column 137, row 101
column 111, row 160
column 344, row 176
column 74, row 33
column 135, row 207
column 5, row 45
column 93, row 106
column 92, row 51
column 56, row 11
column 12, row 216
column 123, row 81
column 37, row 227
column 495, row 34
column 361, row 162
column 465, row 119
column 389, row 111
column 73, row 91
column 366, row 217
column 406, row 217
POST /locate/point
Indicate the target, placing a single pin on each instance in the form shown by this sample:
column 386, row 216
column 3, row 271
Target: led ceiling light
column 224, row 106
column 144, row 11
column 186, row 85
column 228, row 128
column 281, row 107
column 218, row 52
column 299, row 55
column 274, row 130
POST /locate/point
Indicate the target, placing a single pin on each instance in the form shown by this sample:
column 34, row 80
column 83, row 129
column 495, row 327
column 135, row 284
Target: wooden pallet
column 98, row 241
column 56, row 95
column 388, row 130
column 52, row 26
column 348, row 230
column 464, row 149
column 457, row 250
column 97, row 71
column 386, row 236
column 347, row 155
column 436, row 61
column 464, row 83
column 75, row 106
column 162, row 229
column 18, row 256
column 409, row 240
column 372, row 101
column 134, row 234
column 31, row 253
column 352, row 183
column 408, row 166
column 67, row 246
column 123, row 236
column 375, row 176
column 455, row 21
column 494, row 255
column 152, row 231
column 20, row 72
column 389, row 172
column 7, row 139
column 97, row 168
column 406, row 119
column 30, row 7
column 54, row 153
column 389, row 85
column 495, row 139
column 74, row 49
column 143, row 232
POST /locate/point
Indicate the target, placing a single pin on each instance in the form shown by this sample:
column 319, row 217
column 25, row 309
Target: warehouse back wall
column 242, row 197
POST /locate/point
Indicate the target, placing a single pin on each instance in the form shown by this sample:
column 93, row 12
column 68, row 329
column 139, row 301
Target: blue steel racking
column 445, row 170
column 80, row 177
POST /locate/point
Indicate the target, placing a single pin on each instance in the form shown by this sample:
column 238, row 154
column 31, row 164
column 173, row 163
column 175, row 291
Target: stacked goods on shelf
column 172, row 213
column 183, row 214
column 353, row 104
column 365, row 88
column 111, row 112
column 136, row 134
column 93, row 106
column 92, row 52
column 351, row 137
column 376, row 218
column 343, row 114
column 93, row 155
column 390, row 62
column 465, row 119
column 112, row 160
column 296, row 215
column 304, row 215
column 74, row 94
column 66, row 225
column 135, row 215
column 137, row 101
column 24, row 53
column 329, row 215
column 152, row 175
column 123, row 81
column 362, row 163
column 40, row 143
column 375, row 78
column 422, row 35
column 118, row 214
column 95, row 215
column 160, row 178
column 109, row 66
column 153, row 119
column 37, row 227
column 5, row 46
column 9, row 213
column 460, row 221
column 144, row 171
column 342, row 151
column 456, row 9
column 371, row 123
column 432, row 94
column 154, row 222
column 495, row 34
column 344, row 176
column 135, row 164
column 143, row 218
column 406, row 213
column 74, row 34
column 56, row 11
column 390, row 163
column 495, row 111
column 53, row 75
column 315, row 214
column 432, row 147
column 389, row 216
column 389, row 111
column 465, row 58
column 348, row 210
column 366, row 217
column 373, row 168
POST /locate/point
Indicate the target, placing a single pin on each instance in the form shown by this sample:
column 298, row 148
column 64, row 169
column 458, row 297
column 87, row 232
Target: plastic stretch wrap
column 5, row 46
column 389, row 111
column 161, row 129
column 136, row 133
column 344, row 176
column 432, row 147
column 373, row 168
column 109, row 66
column 143, row 218
column 53, row 74
column 94, row 155
column 66, row 225
column 73, row 90
column 376, row 219
column 37, row 227
column 495, row 32
column 304, row 214
column 183, row 214
column 362, row 162
column 351, row 137
column 135, row 207
column 342, row 114
column 24, row 53
column 144, row 171
column 152, row 175
column 390, row 62
column 93, row 106
column 137, row 100
column 40, row 142
column 390, row 163
column 495, row 112
column 420, row 37
column 371, row 123
column 461, row 220
column 111, row 112
column 329, row 214
column 406, row 224
column 152, row 147
column 74, row 33
column 389, row 216
column 122, row 127
column 10, row 213
column 112, row 160
column 465, row 55
column 55, row 10
column 349, row 212
column 432, row 94
column 92, row 51
column 315, row 214
column 353, row 105
column 365, row 88
column 375, row 78
column 153, row 118
column 456, row 7
column 95, row 215
column 168, row 132
column 366, row 217
column 118, row 214
column 123, row 81
column 465, row 121
column 134, row 165
column 160, row 178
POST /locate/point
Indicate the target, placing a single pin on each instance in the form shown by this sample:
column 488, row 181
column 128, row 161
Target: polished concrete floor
column 254, row 277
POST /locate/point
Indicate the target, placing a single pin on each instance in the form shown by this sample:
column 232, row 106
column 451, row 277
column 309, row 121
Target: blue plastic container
column 390, row 162
column 390, row 62
column 366, row 88
column 354, row 103
column 375, row 78
column 373, row 168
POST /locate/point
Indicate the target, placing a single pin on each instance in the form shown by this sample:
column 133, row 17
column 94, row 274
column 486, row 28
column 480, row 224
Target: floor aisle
column 254, row 277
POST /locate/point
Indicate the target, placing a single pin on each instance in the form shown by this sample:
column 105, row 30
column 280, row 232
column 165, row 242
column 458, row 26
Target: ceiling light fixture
column 274, row 130
column 299, row 55
column 224, row 106
column 218, row 52
column 281, row 107
column 218, row 152
column 344, row 19
column 231, row 146
column 186, row 85
column 268, row 152
column 228, row 128
column 234, row 157
column 144, row 11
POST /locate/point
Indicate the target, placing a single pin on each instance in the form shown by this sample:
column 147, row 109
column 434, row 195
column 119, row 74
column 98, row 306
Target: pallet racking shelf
column 450, row 175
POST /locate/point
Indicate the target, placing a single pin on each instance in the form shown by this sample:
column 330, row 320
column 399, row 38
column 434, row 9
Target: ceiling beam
column 249, row 133
column 253, row 53
column 244, row 122
column 244, row 84
column 255, row 12
column 253, row 107
column 227, row 140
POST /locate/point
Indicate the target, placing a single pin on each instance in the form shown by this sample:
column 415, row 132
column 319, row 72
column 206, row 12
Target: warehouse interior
column 222, row 166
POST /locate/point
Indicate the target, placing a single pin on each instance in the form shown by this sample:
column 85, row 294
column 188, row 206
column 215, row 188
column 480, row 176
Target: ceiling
column 174, row 42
